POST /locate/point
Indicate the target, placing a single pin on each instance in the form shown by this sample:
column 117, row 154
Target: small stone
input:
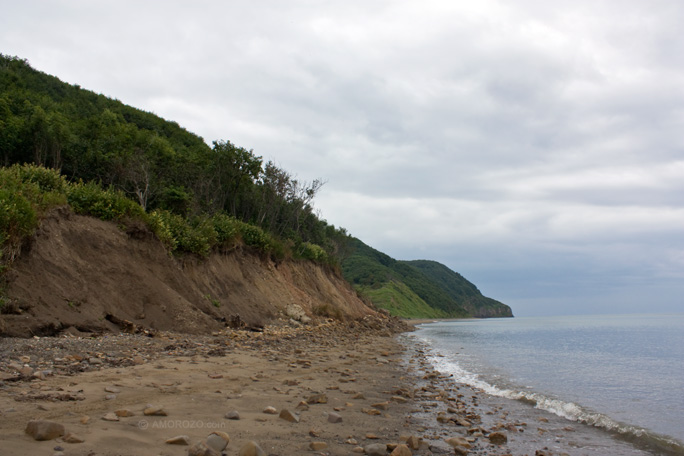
column 123, row 413
column 413, row 442
column 218, row 441
column 112, row 389
column 72, row 438
column 289, row 416
column 458, row 442
column 270, row 410
column 401, row 450
column 111, row 416
column 84, row 419
column 202, row 449
column 334, row 417
column 44, row 430
column 154, row 411
column 358, row 396
column 375, row 449
column 381, row 405
column 251, row 449
column 179, row 440
column 498, row 438
column 358, row 450
column 317, row 399
column 233, row 415
column 351, row 442
column 371, row 436
column 303, row 405
column 94, row 361
column 318, row 446
column 110, row 397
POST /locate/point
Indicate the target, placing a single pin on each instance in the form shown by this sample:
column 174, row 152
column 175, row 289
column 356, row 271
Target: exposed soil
column 83, row 273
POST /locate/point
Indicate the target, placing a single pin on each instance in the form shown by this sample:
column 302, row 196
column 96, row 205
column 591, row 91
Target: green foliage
column 139, row 156
column 400, row 300
column 313, row 252
column 227, row 230
column 90, row 198
column 385, row 281
column 26, row 192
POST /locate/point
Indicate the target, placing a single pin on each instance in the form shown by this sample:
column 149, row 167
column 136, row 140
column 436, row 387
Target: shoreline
column 376, row 380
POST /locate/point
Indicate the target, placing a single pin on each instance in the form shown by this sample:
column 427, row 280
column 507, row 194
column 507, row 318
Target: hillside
column 416, row 289
column 90, row 155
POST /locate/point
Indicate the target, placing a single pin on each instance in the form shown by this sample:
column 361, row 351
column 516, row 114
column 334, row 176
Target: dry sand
column 384, row 393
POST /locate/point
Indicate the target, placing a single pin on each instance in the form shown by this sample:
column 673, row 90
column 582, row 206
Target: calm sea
column 620, row 373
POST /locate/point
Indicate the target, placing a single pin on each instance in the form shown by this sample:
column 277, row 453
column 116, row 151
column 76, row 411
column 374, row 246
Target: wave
column 638, row 436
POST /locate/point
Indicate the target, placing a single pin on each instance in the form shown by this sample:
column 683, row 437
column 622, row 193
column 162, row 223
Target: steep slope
column 461, row 290
column 416, row 289
column 89, row 274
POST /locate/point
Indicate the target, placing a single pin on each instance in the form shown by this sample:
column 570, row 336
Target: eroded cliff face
column 88, row 274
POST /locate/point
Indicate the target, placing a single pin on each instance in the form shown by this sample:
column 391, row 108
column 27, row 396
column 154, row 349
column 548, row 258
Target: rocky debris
column 498, row 438
column 202, row 449
column 401, row 450
column 44, row 429
column 251, row 449
column 317, row 399
column 270, row 410
column 334, row 417
column 414, row 442
column 375, row 449
column 289, row 416
column 152, row 410
column 179, row 440
column 217, row 441
column 72, row 438
column 124, row 413
column 111, row 416
column 318, row 446
column 232, row 415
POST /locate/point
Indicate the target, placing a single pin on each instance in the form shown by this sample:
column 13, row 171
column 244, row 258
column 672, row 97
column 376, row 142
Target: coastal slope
column 88, row 274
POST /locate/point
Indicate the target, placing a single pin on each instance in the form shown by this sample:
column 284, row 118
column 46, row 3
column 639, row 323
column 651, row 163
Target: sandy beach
column 328, row 389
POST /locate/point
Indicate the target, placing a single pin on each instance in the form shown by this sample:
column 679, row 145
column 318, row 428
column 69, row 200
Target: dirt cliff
column 91, row 275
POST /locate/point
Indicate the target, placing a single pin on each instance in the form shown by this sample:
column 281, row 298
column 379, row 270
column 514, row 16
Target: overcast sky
column 534, row 146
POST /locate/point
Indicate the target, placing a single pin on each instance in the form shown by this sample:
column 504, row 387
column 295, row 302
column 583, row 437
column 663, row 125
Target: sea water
column 620, row 373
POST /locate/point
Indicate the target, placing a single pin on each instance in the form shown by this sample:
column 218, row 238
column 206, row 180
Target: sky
column 534, row 146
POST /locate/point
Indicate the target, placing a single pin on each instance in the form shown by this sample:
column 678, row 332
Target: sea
column 621, row 374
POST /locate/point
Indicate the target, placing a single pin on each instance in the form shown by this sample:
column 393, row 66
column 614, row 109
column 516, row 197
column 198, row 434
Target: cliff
column 88, row 274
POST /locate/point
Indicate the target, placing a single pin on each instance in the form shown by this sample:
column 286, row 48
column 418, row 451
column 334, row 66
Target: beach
column 333, row 388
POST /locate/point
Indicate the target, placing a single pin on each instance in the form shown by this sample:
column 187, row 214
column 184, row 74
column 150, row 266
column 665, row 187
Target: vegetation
column 63, row 145
column 127, row 163
column 416, row 289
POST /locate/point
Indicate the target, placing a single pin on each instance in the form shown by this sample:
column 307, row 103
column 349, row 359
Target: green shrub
column 179, row 235
column 106, row 204
column 48, row 180
column 312, row 252
column 227, row 230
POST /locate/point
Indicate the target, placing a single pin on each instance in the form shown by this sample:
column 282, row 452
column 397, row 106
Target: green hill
column 416, row 289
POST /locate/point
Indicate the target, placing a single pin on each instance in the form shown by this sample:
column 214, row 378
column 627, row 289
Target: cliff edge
column 83, row 273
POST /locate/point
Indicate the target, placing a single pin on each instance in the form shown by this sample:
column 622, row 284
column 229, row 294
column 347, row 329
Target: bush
column 312, row 252
column 198, row 237
column 227, row 230
column 91, row 199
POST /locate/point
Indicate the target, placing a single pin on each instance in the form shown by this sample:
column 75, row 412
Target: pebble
column 232, row 415
column 251, row 449
column 179, row 440
column 498, row 438
column 154, row 411
column 289, row 416
column 111, row 416
column 318, row 446
column 270, row 410
column 401, row 450
column 73, row 438
column 334, row 417
column 44, row 429
column 218, row 441
column 375, row 449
